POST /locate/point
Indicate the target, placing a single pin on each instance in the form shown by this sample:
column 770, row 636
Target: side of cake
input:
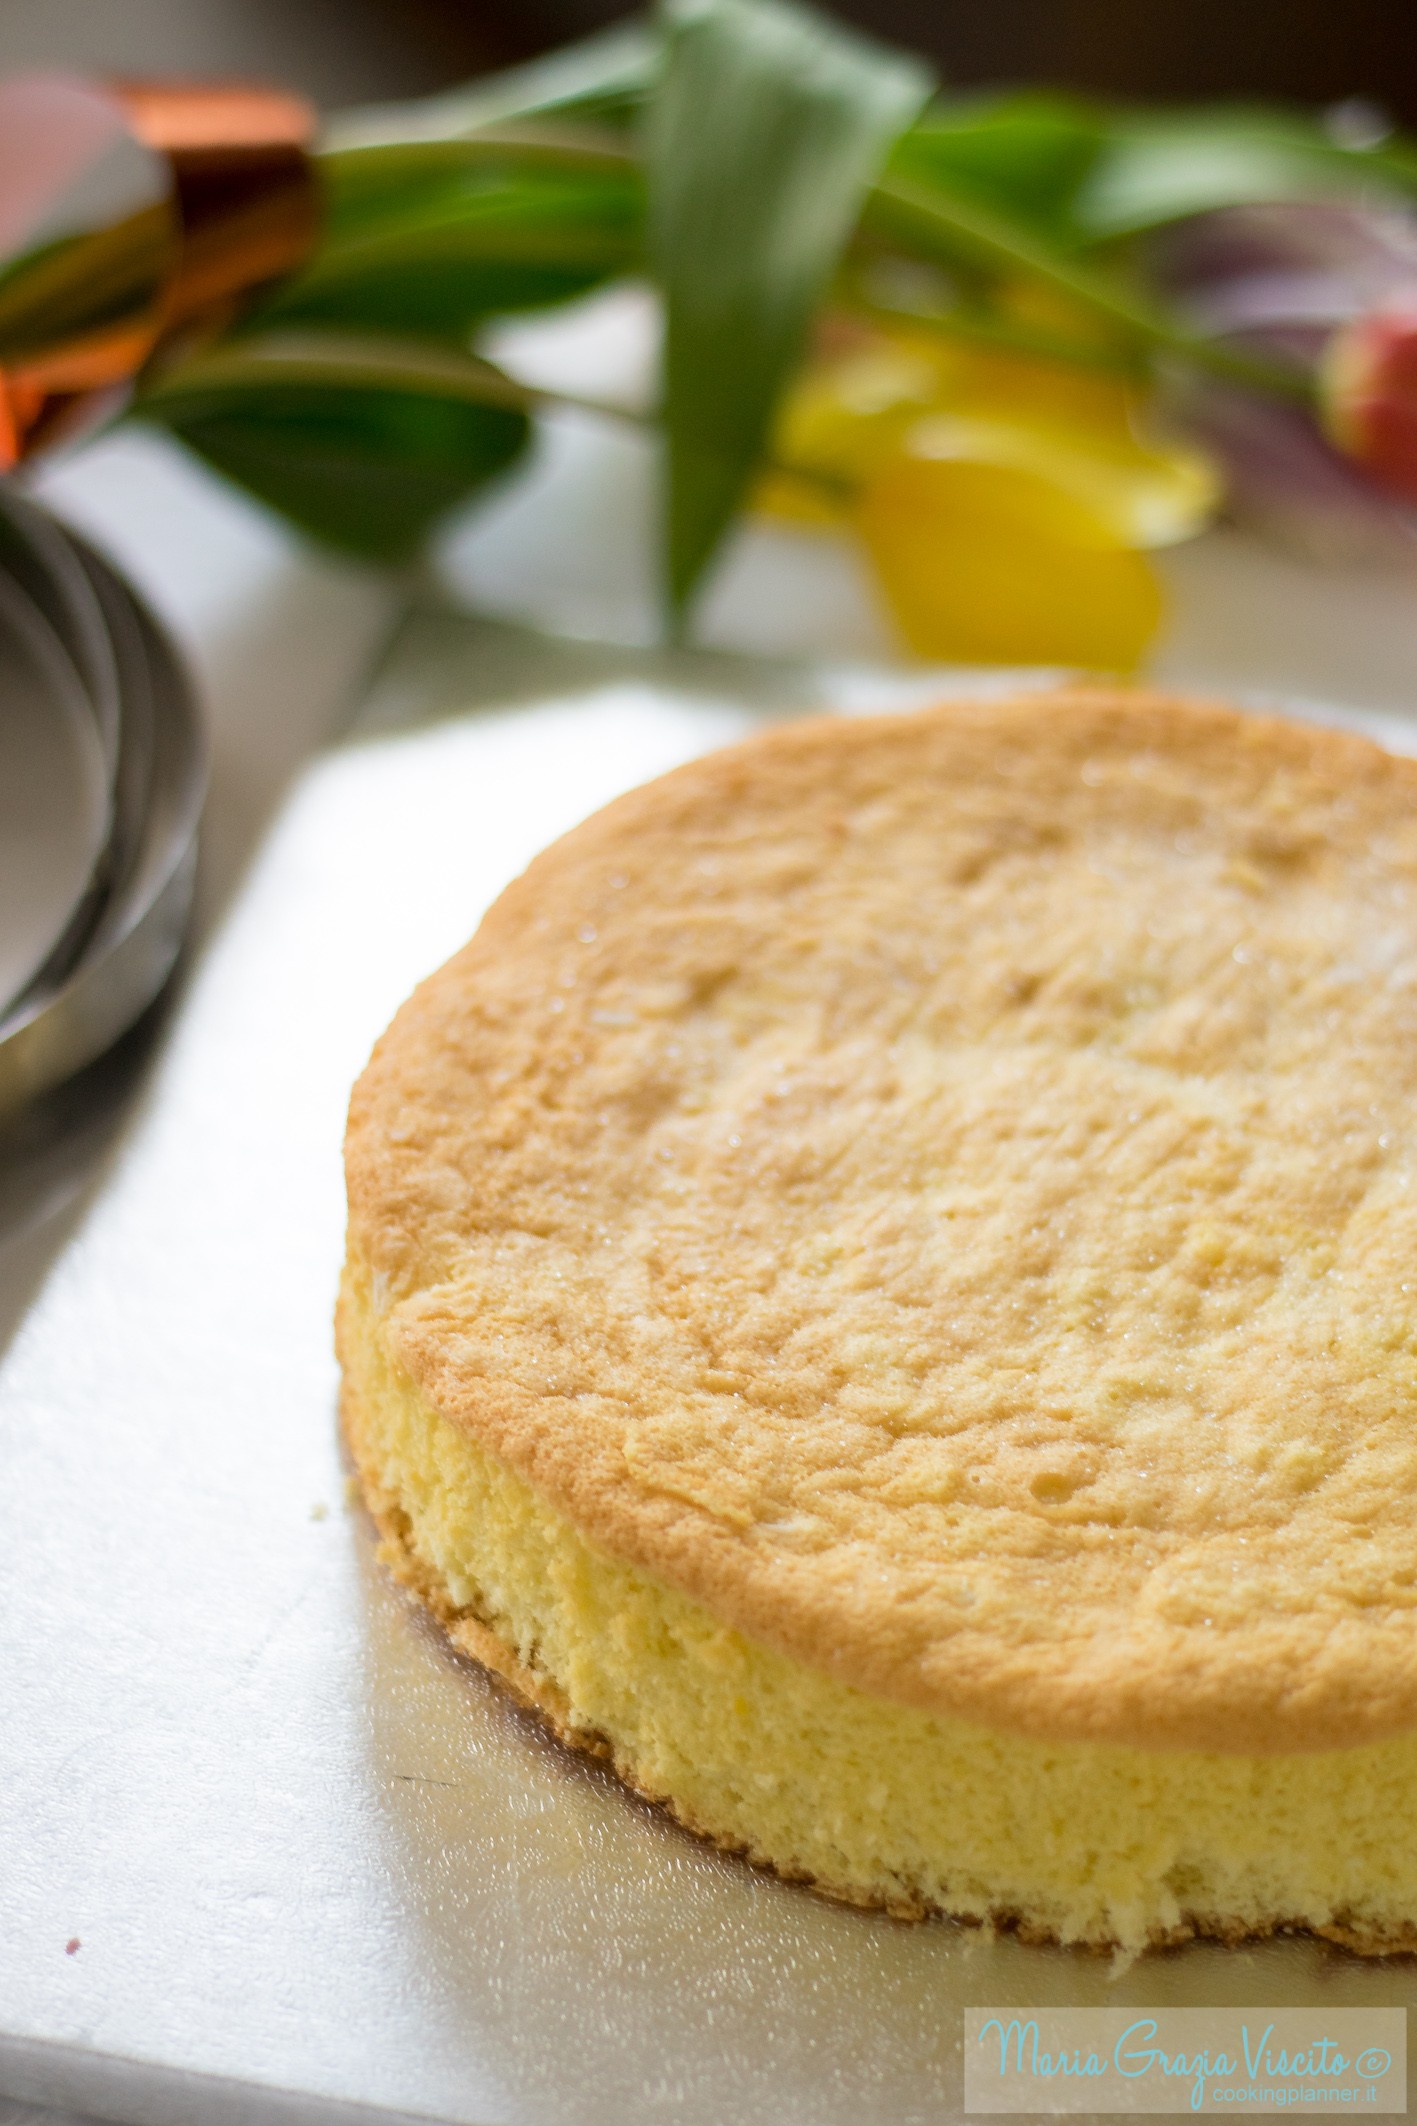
column 874, row 1299
column 869, row 1801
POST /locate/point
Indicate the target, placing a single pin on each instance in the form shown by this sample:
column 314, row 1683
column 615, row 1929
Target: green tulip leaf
column 473, row 230
column 1024, row 156
column 764, row 131
column 601, row 79
column 1159, row 166
column 364, row 446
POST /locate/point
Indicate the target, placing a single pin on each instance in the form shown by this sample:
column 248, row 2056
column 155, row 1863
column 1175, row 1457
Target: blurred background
column 343, row 51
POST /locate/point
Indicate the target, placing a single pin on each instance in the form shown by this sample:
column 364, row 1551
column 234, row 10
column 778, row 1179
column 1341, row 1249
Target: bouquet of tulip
column 1009, row 342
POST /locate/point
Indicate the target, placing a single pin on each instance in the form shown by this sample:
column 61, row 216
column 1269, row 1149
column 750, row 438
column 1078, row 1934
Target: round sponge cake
column 882, row 1295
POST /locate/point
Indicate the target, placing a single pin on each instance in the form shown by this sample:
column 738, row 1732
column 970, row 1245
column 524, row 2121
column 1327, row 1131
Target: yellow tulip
column 996, row 564
column 1087, row 429
column 1001, row 497
column 844, row 416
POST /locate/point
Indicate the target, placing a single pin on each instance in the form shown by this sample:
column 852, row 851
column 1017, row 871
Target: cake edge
column 472, row 1638
column 394, row 1208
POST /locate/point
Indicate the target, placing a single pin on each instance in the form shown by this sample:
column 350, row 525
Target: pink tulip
column 1368, row 388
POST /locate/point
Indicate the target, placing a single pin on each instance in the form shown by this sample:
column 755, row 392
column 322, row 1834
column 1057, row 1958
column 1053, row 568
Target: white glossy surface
column 307, row 1854
column 312, row 1862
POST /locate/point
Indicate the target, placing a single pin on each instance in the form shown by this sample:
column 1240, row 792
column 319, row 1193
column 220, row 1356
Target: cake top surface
column 941, row 1190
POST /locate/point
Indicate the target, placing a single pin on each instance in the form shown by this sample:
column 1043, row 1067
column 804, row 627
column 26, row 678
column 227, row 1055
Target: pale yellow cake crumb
column 875, row 1802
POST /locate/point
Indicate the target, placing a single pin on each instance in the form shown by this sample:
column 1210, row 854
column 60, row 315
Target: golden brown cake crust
column 935, row 1189
column 537, row 1693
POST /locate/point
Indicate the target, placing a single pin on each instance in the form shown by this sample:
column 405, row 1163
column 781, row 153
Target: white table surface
column 312, row 1863
column 280, row 641
column 227, row 583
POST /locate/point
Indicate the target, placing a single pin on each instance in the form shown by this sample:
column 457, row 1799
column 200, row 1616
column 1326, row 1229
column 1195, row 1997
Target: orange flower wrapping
column 133, row 214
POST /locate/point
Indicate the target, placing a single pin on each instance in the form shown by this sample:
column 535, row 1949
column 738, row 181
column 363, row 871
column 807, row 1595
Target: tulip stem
column 958, row 232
